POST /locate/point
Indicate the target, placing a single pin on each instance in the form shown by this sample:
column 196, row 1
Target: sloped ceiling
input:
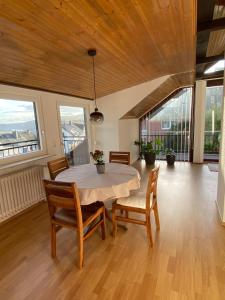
column 168, row 87
column 216, row 43
column 43, row 44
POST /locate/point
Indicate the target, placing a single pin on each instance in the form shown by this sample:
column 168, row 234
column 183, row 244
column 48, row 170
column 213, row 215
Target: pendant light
column 96, row 117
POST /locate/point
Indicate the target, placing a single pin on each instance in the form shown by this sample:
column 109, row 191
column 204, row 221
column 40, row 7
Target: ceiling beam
column 218, row 74
column 204, row 60
column 212, row 25
column 215, row 82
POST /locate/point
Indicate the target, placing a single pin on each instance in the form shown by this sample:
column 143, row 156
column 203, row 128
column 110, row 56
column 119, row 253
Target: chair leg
column 126, row 214
column 149, row 230
column 103, row 226
column 114, row 222
column 81, row 249
column 156, row 213
column 53, row 240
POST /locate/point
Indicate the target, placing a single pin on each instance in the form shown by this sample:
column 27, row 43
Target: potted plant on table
column 170, row 156
column 100, row 164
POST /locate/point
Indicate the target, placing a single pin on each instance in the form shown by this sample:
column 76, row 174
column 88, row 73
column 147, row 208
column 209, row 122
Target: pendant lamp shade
column 96, row 117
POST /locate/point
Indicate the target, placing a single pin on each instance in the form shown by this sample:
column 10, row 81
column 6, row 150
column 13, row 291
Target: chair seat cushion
column 133, row 201
column 68, row 216
column 136, row 201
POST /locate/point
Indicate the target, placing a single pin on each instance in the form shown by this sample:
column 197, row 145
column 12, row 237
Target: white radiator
column 20, row 190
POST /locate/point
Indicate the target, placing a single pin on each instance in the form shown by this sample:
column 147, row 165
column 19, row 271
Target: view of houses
column 16, row 141
column 18, row 137
column 73, row 133
column 74, row 137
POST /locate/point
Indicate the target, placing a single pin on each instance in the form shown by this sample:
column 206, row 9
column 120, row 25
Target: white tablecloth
column 117, row 181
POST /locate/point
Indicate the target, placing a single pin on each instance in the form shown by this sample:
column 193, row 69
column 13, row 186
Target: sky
column 71, row 112
column 12, row 111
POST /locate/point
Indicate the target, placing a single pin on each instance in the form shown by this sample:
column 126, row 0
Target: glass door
column 74, row 134
column 170, row 124
column 213, row 115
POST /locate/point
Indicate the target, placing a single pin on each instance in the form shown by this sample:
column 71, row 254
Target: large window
column 19, row 133
column 170, row 123
column 213, row 114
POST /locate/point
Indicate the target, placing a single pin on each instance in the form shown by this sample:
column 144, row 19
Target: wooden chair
column 119, row 157
column 140, row 205
column 57, row 166
column 65, row 211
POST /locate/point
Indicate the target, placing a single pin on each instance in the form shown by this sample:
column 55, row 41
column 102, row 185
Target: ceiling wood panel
column 43, row 44
column 168, row 87
column 216, row 43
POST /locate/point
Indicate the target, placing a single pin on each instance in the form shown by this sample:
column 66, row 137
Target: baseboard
column 22, row 212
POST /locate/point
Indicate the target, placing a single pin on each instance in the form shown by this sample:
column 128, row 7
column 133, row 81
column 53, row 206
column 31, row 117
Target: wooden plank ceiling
column 216, row 43
column 173, row 83
column 43, row 44
column 210, row 37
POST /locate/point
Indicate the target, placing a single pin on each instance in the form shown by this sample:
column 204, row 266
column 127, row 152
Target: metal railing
column 212, row 145
column 20, row 147
column 70, row 143
column 178, row 141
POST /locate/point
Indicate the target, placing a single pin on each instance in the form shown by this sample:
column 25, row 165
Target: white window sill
column 22, row 162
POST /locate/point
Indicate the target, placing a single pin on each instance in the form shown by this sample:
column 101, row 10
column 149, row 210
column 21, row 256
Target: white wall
column 114, row 106
column 114, row 134
column 48, row 102
column 128, row 133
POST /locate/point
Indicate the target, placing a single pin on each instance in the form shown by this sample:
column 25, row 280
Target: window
column 74, row 134
column 219, row 66
column 19, row 133
column 170, row 123
column 213, row 116
column 165, row 125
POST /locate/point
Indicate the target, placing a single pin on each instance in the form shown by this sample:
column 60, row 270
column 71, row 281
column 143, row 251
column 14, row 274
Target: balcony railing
column 212, row 145
column 178, row 141
column 21, row 147
column 70, row 143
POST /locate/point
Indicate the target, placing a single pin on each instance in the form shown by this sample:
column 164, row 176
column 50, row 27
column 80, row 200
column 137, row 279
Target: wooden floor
column 186, row 262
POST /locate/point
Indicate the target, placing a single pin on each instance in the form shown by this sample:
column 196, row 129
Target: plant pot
column 149, row 158
column 100, row 168
column 170, row 158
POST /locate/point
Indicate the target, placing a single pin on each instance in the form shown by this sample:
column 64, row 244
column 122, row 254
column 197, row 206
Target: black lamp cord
column 93, row 60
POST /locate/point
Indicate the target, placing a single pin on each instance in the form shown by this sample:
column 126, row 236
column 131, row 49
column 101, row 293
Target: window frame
column 86, row 108
column 166, row 128
column 40, row 127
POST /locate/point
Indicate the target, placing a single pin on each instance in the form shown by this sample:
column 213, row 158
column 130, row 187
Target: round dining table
column 117, row 181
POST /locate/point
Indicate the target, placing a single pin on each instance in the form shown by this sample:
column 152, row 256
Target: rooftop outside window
column 19, row 133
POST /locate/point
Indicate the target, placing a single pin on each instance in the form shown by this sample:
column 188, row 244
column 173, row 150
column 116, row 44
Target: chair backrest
column 57, row 166
column 119, row 157
column 63, row 195
column 152, row 186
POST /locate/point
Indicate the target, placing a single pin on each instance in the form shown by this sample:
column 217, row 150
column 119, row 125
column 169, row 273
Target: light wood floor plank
column 187, row 260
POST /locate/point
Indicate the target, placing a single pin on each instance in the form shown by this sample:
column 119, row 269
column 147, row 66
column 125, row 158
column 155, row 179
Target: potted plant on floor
column 100, row 164
column 170, row 156
column 139, row 144
column 150, row 151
